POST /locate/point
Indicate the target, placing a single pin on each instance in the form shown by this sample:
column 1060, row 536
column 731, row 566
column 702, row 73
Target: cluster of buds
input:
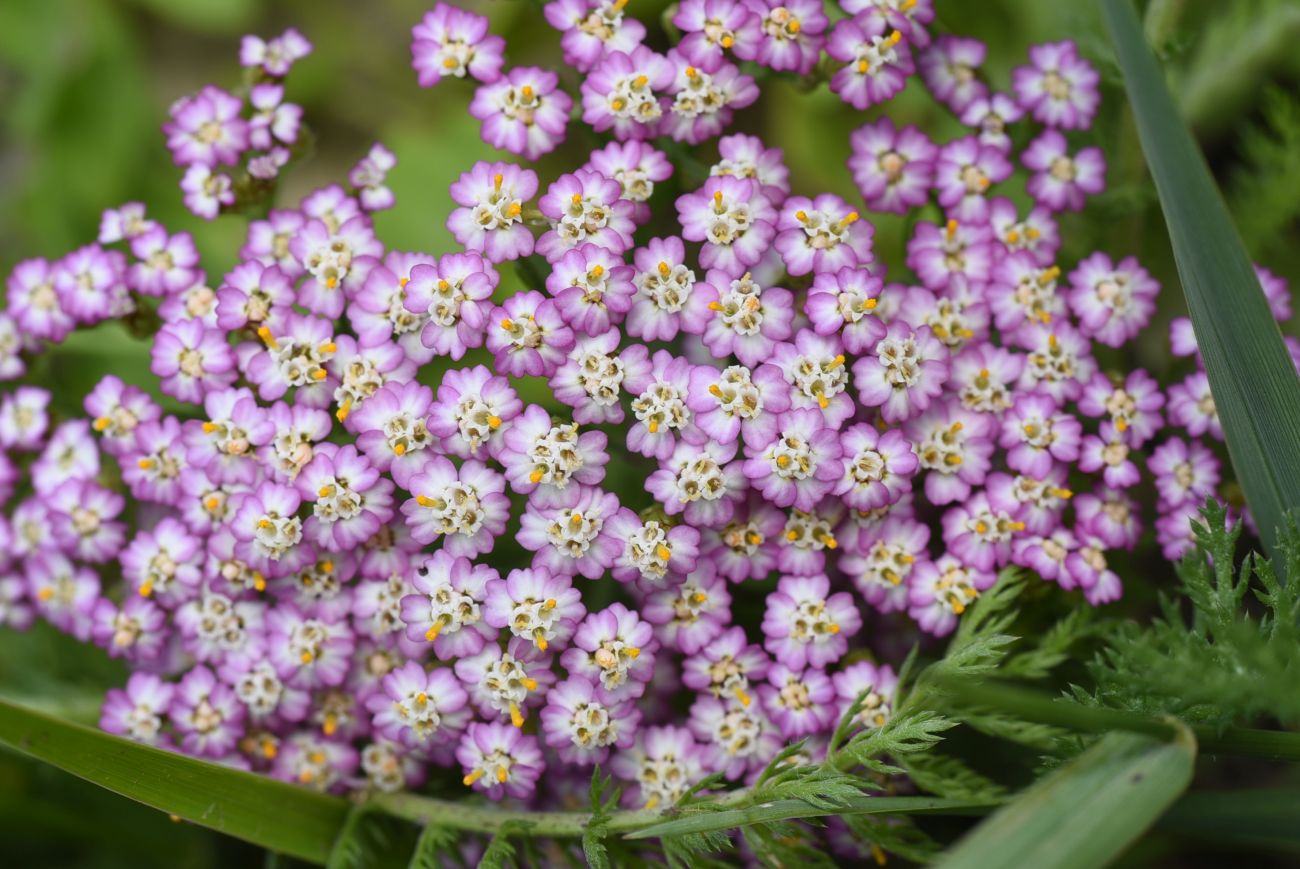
column 314, row 551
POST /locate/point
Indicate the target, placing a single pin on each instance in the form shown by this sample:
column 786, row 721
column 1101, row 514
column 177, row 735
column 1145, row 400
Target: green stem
column 486, row 819
column 1035, row 706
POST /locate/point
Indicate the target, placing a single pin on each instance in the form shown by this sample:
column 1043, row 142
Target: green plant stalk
column 1253, row 381
column 1036, row 706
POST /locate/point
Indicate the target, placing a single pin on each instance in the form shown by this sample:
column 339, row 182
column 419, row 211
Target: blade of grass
column 786, row 810
column 1252, row 378
column 1086, row 813
column 1259, row 817
column 257, row 809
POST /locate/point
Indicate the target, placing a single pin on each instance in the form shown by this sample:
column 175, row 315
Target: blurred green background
column 85, row 85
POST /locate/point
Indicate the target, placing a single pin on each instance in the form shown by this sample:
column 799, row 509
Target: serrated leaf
column 785, row 810
column 1252, row 378
column 257, row 809
column 1086, row 813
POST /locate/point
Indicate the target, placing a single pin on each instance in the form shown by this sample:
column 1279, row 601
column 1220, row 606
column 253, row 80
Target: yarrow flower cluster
column 344, row 570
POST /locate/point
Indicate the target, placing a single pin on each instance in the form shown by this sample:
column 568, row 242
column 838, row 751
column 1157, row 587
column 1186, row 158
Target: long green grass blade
column 1252, row 378
column 1258, row 817
column 1086, row 813
column 275, row 815
column 786, row 810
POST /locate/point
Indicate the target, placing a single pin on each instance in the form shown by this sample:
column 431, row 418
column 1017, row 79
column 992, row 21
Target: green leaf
column 785, row 810
column 1259, row 817
column 1253, row 380
column 435, row 843
column 257, row 809
column 1086, row 813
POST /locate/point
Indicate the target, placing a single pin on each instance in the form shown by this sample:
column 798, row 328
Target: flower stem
column 486, row 819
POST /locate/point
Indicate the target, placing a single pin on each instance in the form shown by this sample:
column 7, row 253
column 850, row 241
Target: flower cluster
column 359, row 554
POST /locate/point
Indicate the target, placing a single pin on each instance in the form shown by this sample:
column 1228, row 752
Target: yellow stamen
column 494, row 422
column 424, row 500
column 535, row 477
column 833, row 628
column 269, row 750
column 515, row 209
column 1062, row 493
column 328, row 347
column 895, row 38
column 529, row 684
column 325, row 491
column 502, row 775
column 792, row 535
column 259, row 582
column 714, row 306
column 507, row 324
column 664, row 270
column 577, row 198
column 727, row 42
column 306, row 657
column 472, row 777
column 421, row 698
column 46, row 593
column 744, row 698
column 212, row 503
column 432, row 633
column 632, row 652
column 782, row 461
column 699, row 597
column 267, row 338
column 651, row 803
column 331, row 724
column 801, row 216
column 575, row 520
column 319, row 374
column 209, row 427
column 263, row 524
column 550, row 604
column 541, row 642
column 952, row 460
column 663, row 552
column 829, row 541
column 496, row 181
column 715, row 390
column 146, row 464
column 717, row 198
column 952, row 229
column 399, row 449
column 1121, row 425
column 101, row 423
column 640, row 81
column 332, row 282
column 516, row 717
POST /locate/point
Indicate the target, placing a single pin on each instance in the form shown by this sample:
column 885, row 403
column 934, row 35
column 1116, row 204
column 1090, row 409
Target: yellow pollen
column 331, row 724
column 529, row 684
column 717, row 198
column 306, row 776
column 576, row 519
column 212, row 503
column 632, row 652
column 541, row 642
column 306, row 657
column 101, row 423
column 651, row 803
column 1051, row 341
column 424, row 500
column 794, row 26
column 399, row 449
column 263, row 523
column 449, row 62
column 714, row 306
column 903, row 7
column 1121, row 425
column 829, row 541
column 792, row 535
column 1017, row 526
column 496, row 181
column 850, row 218
column 515, row 209
column 1032, row 233
column 895, row 38
column 663, row 269
column 727, row 42
column 801, row 216
column 782, row 461
column 494, row 422
column 527, row 92
column 741, row 696
column 550, row 604
column 907, row 558
column 326, row 566
column 617, row 105
column 984, row 373
column 267, row 338
column 822, row 400
column 472, row 777
column 259, row 582
column 46, row 593
column 328, row 347
column 833, row 628
column 332, row 282
column 535, row 477
column 1049, row 275
column 754, row 538
column 653, row 426
column 432, row 633
column 715, row 390
column 1062, row 493
column 577, row 198
column 863, row 66
column 981, row 527
column 663, row 552
column 1012, row 236
column 836, row 362
column 699, row 597
column 870, row 304
column 691, row 72
column 502, row 775
column 209, row 427
column 319, row 374
column 402, row 282
column 269, row 751
column 596, row 271
column 421, row 698
column 640, row 81
column 146, row 464
column 325, row 491
column 507, row 324
column 954, row 460
column 1045, row 317
column 952, row 229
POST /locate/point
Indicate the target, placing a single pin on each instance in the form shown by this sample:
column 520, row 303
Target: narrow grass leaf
column 1085, row 814
column 1252, row 378
column 1259, row 817
column 257, row 809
